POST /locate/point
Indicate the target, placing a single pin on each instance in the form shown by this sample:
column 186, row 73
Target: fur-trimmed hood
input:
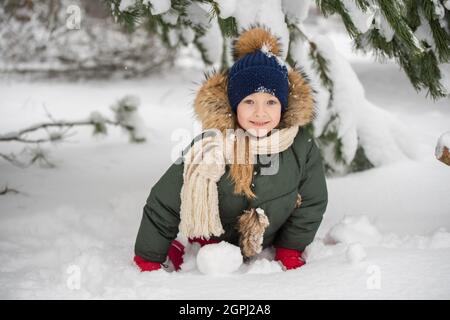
column 212, row 107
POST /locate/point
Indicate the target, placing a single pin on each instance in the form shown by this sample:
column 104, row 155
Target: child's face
column 260, row 112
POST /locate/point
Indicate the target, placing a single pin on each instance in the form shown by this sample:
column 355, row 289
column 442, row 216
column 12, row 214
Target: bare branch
column 6, row 190
column 18, row 135
column 35, row 154
column 13, row 159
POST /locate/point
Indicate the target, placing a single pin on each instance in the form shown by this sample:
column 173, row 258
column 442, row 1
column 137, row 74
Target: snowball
column 355, row 253
column 355, row 229
column 219, row 258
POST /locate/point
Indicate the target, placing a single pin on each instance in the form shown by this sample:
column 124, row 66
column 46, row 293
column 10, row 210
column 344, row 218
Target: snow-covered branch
column 125, row 116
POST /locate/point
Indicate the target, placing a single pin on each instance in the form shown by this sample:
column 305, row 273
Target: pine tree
column 400, row 31
column 413, row 32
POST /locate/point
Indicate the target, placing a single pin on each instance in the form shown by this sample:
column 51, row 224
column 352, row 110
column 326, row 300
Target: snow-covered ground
column 70, row 232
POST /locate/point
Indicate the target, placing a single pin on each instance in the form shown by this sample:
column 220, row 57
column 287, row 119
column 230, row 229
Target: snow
column 219, row 258
column 362, row 20
column 268, row 13
column 295, row 10
column 268, row 52
column 158, row 6
column 384, row 26
column 263, row 266
column 265, row 90
column 170, row 17
column 424, row 32
column 80, row 43
column 445, row 73
column 212, row 40
column 70, row 233
column 226, row 8
column 447, row 4
column 354, row 229
column 126, row 4
column 439, row 10
column 355, row 253
column 443, row 142
column 126, row 113
column 384, row 137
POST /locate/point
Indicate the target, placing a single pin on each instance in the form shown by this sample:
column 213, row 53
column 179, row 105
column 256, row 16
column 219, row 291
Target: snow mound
column 263, row 266
column 354, row 229
column 443, row 142
column 318, row 250
column 219, row 258
column 355, row 253
column 440, row 239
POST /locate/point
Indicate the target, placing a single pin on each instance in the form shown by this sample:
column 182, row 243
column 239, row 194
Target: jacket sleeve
column 300, row 228
column 161, row 216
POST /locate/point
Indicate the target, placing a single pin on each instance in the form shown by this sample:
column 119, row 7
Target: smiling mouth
column 260, row 124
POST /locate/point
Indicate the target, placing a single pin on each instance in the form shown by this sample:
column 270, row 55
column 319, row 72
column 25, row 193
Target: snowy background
column 70, row 231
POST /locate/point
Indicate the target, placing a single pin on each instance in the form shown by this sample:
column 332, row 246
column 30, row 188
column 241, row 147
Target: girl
column 254, row 177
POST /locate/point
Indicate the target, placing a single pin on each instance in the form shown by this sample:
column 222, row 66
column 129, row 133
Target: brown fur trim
column 254, row 39
column 299, row 201
column 213, row 110
column 251, row 226
column 300, row 110
column 211, row 104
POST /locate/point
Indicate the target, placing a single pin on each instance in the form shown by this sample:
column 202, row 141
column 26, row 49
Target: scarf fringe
column 199, row 211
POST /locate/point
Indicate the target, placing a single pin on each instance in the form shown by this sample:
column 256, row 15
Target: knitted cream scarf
column 204, row 165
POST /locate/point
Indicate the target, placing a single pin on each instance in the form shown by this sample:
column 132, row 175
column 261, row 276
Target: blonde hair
column 242, row 173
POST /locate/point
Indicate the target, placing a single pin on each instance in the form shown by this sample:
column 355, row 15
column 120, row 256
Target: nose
column 259, row 110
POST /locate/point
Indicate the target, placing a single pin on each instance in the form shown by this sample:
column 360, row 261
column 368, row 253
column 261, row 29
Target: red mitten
column 175, row 254
column 145, row 265
column 290, row 258
column 202, row 241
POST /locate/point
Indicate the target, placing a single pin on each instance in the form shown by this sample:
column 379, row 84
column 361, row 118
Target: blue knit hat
column 259, row 70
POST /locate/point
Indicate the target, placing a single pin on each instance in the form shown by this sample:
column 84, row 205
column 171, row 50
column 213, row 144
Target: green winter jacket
column 300, row 176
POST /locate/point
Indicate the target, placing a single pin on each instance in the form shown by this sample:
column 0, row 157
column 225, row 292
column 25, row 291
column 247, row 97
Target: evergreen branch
column 392, row 12
column 440, row 36
column 329, row 7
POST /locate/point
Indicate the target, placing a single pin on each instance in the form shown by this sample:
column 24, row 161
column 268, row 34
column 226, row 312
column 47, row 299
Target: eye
column 271, row 102
column 248, row 101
